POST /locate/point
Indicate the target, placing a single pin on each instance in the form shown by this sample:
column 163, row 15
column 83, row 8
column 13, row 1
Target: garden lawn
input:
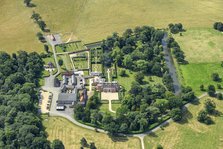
column 189, row 133
column 70, row 134
column 93, row 20
column 18, row 31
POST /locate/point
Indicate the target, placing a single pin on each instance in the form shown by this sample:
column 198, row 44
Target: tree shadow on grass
column 152, row 134
column 196, row 101
column 217, row 113
column 118, row 138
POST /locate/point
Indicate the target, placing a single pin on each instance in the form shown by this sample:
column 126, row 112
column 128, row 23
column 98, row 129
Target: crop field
column 70, row 134
column 203, row 49
column 92, row 20
column 18, row 31
column 70, row 47
column 190, row 133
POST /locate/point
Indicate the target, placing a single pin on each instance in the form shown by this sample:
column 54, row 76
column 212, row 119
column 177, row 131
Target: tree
column 27, row 3
column 40, row 37
column 92, row 145
column 210, row 106
column 203, row 117
column 139, row 77
column 176, row 114
column 202, row 87
column 46, row 48
column 42, row 25
column 36, row 16
column 211, row 90
column 219, row 96
column 159, row 146
column 60, row 62
column 218, row 26
column 84, row 142
column 215, row 77
column 219, row 86
column 57, row 144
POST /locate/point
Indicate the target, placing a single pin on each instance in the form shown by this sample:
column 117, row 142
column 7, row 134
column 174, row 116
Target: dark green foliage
column 209, row 106
column 92, row 145
column 176, row 28
column 218, row 26
column 215, row 77
column 202, row 87
column 27, row 3
column 145, row 57
column 46, row 48
column 36, row 16
column 176, row 50
column 211, row 90
column 40, row 37
column 139, row 77
column 176, row 114
column 42, row 25
column 159, row 146
column 57, row 144
column 204, row 118
column 219, row 86
column 167, row 80
column 60, row 62
column 84, row 142
column 20, row 127
column 219, row 96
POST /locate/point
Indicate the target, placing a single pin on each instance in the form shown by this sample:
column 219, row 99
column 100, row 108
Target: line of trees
column 176, row 50
column 20, row 124
column 38, row 20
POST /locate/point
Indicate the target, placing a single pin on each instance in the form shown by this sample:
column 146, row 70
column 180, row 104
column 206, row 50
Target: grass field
column 93, row 20
column 70, row 134
column 189, row 133
column 201, row 45
column 18, row 32
column 203, row 49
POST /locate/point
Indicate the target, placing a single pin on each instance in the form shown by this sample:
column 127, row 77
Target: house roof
column 67, row 97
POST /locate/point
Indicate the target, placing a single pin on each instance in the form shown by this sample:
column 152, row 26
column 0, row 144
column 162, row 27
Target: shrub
column 210, row 106
column 219, row 96
column 203, row 117
column 215, row 77
column 211, row 90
